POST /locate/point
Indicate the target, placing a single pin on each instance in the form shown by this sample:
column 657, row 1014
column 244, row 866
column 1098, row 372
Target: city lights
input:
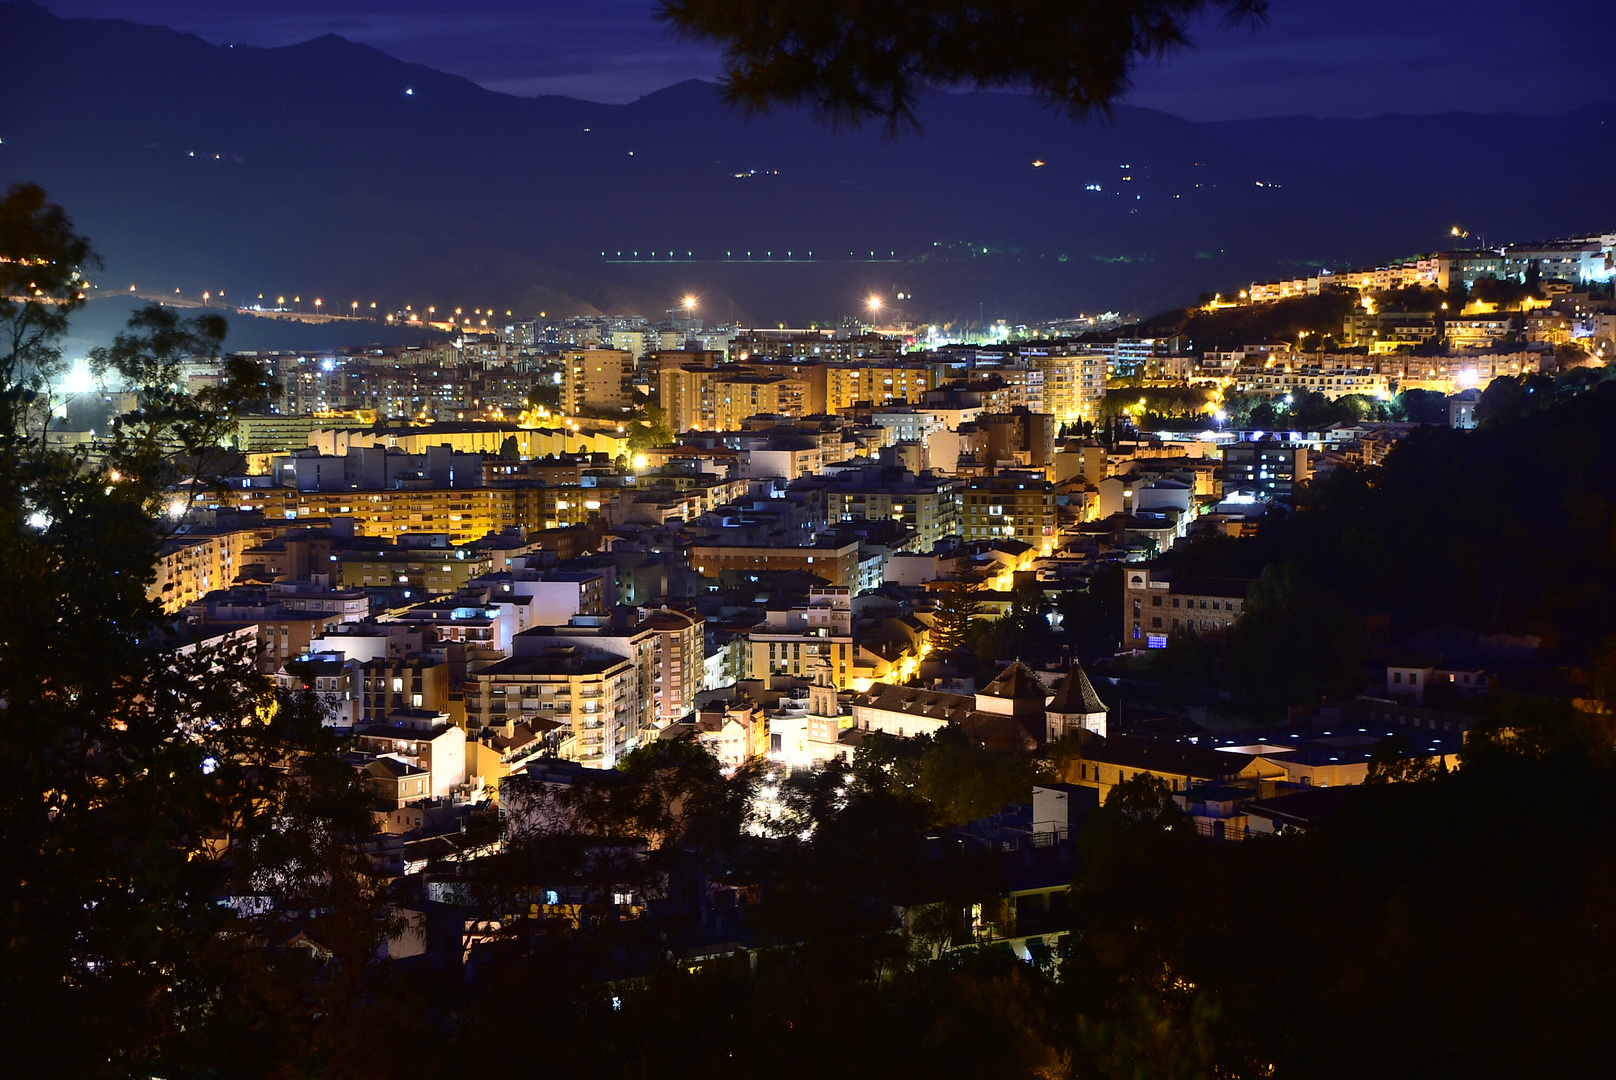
column 789, row 661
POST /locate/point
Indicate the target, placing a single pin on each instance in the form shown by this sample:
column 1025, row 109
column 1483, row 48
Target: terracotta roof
column 931, row 704
column 999, row 733
column 1075, row 694
column 1017, row 682
column 392, row 767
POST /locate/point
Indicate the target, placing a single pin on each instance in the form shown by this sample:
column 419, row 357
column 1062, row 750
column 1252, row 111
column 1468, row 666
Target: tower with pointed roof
column 1016, row 692
column 1075, row 706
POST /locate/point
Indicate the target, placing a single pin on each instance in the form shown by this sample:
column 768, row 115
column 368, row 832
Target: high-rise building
column 1009, row 507
column 1074, row 382
column 595, row 377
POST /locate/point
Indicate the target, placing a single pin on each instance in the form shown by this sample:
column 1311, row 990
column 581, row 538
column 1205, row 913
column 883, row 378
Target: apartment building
column 397, row 684
column 1332, row 383
column 998, row 507
column 1155, row 603
column 878, row 383
column 741, row 395
column 192, row 565
column 590, row 694
column 679, row 652
column 924, row 502
column 1017, row 437
column 1074, row 382
column 830, row 558
column 421, row 739
column 598, row 378
column 1265, row 467
column 792, row 641
column 434, row 570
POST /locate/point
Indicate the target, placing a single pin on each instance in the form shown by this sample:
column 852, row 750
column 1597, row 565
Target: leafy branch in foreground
column 858, row 60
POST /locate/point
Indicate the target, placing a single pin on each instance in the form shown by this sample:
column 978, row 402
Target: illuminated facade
column 878, row 384
column 190, row 567
column 1003, row 507
column 1073, row 383
column 791, row 642
column 595, row 377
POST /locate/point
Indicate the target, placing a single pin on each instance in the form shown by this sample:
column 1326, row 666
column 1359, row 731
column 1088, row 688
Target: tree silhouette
column 126, row 766
column 858, row 60
column 955, row 610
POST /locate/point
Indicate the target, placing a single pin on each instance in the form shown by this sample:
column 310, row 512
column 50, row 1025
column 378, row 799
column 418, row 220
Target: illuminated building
column 192, row 565
column 1155, row 604
column 1074, row 383
column 595, row 377
column 791, row 641
column 833, row 560
column 997, row 507
column 875, row 383
column 435, row 570
column 592, row 694
column 924, row 503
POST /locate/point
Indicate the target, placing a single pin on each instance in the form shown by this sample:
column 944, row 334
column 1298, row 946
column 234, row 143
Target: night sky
column 1336, row 59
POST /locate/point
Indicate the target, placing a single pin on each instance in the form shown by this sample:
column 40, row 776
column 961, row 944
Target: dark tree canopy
column 858, row 60
column 42, row 260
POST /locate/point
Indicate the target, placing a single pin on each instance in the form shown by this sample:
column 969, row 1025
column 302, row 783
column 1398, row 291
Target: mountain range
column 330, row 169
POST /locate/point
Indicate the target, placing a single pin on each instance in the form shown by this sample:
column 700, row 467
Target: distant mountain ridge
column 329, row 168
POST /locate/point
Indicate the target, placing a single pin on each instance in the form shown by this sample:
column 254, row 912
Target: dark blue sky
column 1357, row 58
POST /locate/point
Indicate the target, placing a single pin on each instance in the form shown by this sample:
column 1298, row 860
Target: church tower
column 822, row 699
column 1075, row 706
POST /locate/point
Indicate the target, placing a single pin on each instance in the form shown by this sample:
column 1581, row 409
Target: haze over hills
column 330, row 169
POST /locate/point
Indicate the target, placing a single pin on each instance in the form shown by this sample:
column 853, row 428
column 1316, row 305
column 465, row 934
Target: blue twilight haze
column 1358, row 59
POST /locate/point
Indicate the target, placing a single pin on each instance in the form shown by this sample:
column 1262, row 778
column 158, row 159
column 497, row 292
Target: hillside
column 328, row 168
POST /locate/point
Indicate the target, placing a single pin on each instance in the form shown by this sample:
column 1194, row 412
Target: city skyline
column 1015, row 586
